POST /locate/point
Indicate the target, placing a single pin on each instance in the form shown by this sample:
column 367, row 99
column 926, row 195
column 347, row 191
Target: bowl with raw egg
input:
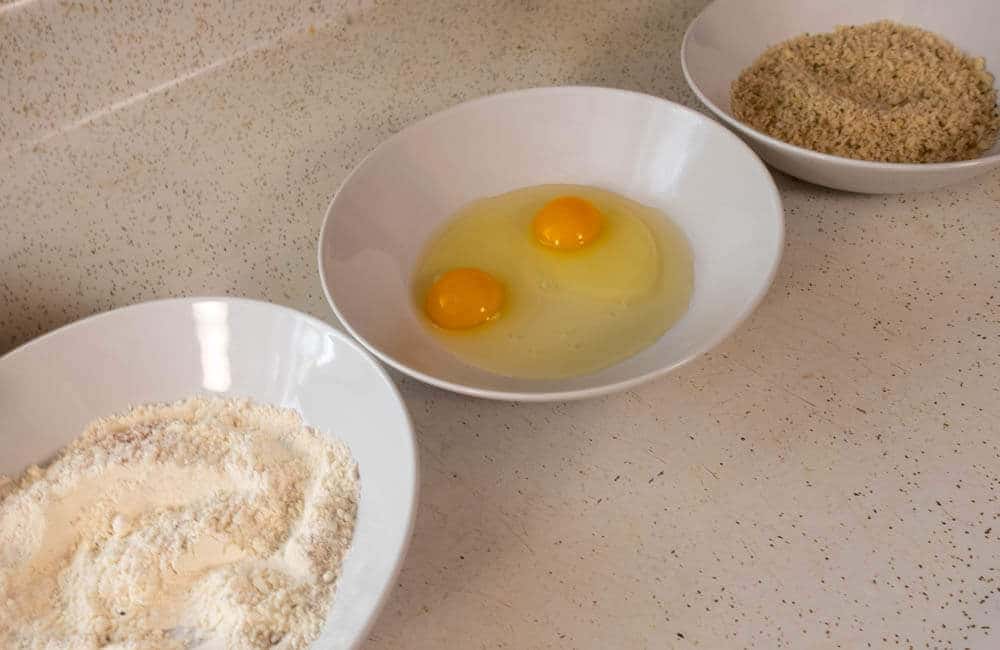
column 551, row 243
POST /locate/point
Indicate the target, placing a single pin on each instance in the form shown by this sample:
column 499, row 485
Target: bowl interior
column 730, row 34
column 648, row 149
column 163, row 351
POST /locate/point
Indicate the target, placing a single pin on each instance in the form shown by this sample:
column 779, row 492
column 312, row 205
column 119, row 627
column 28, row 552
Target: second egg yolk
column 463, row 298
column 567, row 223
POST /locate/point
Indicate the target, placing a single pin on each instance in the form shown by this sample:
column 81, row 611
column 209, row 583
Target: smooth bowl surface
column 648, row 149
column 729, row 35
column 51, row 387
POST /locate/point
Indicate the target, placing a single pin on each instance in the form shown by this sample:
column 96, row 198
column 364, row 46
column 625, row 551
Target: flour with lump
column 204, row 523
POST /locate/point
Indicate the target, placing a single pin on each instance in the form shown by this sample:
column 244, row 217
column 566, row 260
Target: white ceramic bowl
column 730, row 34
column 651, row 150
column 166, row 350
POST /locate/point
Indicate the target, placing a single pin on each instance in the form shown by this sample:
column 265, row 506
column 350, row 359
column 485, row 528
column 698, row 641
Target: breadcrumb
column 882, row 92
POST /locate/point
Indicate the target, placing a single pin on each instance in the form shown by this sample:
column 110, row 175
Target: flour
column 204, row 523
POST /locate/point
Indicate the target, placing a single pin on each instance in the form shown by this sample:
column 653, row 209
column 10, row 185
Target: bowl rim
column 818, row 156
column 552, row 395
column 389, row 585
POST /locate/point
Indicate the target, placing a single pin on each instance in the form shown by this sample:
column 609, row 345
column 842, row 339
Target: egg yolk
column 567, row 223
column 464, row 298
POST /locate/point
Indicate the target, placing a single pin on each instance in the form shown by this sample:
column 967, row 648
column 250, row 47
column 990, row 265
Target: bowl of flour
column 199, row 473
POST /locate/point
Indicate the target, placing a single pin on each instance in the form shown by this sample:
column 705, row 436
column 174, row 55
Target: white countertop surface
column 827, row 478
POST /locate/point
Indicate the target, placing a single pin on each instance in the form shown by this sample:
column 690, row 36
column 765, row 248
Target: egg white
column 566, row 313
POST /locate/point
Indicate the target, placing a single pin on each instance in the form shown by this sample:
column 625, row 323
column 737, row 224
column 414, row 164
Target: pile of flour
column 204, row 523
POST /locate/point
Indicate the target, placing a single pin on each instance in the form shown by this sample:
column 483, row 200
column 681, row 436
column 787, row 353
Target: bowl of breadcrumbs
column 866, row 96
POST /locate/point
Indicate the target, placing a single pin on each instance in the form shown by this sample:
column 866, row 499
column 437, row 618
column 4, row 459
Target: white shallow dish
column 729, row 35
column 648, row 149
column 51, row 387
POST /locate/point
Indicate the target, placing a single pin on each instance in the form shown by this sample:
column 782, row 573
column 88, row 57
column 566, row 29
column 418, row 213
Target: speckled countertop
column 827, row 478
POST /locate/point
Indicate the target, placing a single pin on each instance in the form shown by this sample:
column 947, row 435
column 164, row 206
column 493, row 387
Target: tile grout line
column 26, row 145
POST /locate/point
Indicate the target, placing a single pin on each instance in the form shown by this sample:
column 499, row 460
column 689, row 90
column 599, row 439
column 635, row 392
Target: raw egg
column 553, row 281
column 567, row 223
column 463, row 298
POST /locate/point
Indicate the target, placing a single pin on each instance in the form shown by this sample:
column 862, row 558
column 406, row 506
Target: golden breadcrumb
column 882, row 91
